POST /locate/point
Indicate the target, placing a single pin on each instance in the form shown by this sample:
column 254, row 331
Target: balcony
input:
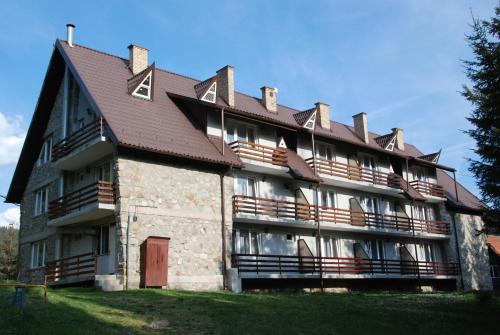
column 257, row 209
column 261, row 158
column 428, row 189
column 254, row 209
column 85, row 145
column 380, row 222
column 355, row 177
column 72, row 269
column 282, row 266
column 88, row 203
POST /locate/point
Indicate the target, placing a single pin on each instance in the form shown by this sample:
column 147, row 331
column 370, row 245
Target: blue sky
column 398, row 61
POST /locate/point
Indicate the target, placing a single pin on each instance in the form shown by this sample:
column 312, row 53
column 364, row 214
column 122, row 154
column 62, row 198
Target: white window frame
column 251, row 235
column 326, row 147
column 38, row 253
column 142, row 85
column 247, row 179
column 331, row 197
column 41, row 201
column 46, row 152
column 101, row 240
column 236, row 136
column 331, row 246
column 372, row 158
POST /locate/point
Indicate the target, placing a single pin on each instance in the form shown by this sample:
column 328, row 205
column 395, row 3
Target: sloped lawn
column 87, row 311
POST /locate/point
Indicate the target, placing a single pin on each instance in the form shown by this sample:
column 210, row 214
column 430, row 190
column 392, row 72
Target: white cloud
column 11, row 139
column 10, row 217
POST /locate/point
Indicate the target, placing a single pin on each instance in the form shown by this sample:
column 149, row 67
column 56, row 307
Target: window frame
column 45, row 155
column 41, row 205
column 36, row 246
column 149, row 87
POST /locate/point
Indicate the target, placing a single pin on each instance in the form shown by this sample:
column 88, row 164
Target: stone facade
column 474, row 257
column 181, row 203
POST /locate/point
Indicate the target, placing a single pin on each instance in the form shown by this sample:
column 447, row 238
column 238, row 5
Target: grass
column 88, row 311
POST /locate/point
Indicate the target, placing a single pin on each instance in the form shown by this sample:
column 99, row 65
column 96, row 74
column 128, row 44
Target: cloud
column 11, row 139
column 10, row 217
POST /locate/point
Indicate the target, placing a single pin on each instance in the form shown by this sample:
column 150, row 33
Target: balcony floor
column 361, row 185
column 89, row 152
column 91, row 212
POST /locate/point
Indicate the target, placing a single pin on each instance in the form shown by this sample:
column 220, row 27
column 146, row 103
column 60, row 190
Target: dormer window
column 143, row 90
column 311, row 122
column 391, row 144
column 211, row 93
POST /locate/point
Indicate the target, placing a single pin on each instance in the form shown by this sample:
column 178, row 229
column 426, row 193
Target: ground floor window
column 330, row 247
column 246, row 242
column 38, row 254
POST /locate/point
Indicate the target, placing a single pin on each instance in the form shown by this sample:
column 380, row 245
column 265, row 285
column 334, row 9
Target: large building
column 130, row 173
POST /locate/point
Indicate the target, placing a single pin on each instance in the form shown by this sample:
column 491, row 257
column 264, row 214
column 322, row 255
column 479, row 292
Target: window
column 330, row 248
column 327, row 198
column 245, row 186
column 144, row 88
column 246, row 242
column 211, row 94
column 103, row 172
column 46, row 152
column 241, row 132
column 368, row 162
column 390, row 145
column 325, row 151
column 38, row 254
column 41, row 201
column 311, row 122
column 420, row 174
column 427, row 252
column 103, row 240
column 375, row 249
column 370, row 205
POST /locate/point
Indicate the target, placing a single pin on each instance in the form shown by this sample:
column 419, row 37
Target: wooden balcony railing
column 98, row 192
column 80, row 137
column 353, row 172
column 428, row 188
column 383, row 221
column 261, row 153
column 272, row 208
column 73, row 267
column 280, row 264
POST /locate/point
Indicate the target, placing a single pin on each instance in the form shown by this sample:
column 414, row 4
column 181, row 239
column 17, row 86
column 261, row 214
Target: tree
column 484, row 95
column 8, row 252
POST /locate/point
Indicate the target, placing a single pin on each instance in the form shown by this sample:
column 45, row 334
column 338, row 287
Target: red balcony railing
column 261, row 153
column 428, row 188
column 354, row 172
column 311, row 265
column 272, row 208
column 74, row 267
column 98, row 192
column 80, row 137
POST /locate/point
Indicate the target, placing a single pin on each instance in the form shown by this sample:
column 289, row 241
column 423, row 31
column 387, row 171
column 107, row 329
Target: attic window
column 310, row 123
column 390, row 145
column 211, row 93
column 144, row 88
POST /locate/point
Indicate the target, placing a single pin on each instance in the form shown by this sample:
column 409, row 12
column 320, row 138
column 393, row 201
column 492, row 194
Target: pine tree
column 484, row 95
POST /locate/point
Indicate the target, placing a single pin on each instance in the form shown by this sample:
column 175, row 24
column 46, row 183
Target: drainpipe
column 316, row 212
column 126, row 252
column 222, row 126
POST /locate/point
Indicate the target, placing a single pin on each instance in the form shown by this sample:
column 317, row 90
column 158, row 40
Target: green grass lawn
column 88, row 311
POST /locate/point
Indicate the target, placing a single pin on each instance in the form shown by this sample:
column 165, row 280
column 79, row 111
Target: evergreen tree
column 484, row 95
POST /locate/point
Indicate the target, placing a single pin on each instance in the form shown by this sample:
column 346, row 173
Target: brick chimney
column 361, row 126
column 269, row 98
column 138, row 58
column 323, row 115
column 400, row 138
column 225, row 84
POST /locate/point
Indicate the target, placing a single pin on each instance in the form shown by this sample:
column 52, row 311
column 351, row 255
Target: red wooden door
column 156, row 262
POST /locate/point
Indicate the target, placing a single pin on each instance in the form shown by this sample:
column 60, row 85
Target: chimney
column 225, row 84
column 323, row 115
column 69, row 32
column 137, row 59
column 361, row 126
column 400, row 139
column 269, row 98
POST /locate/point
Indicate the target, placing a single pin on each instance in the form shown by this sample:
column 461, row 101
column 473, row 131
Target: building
column 493, row 242
column 249, row 192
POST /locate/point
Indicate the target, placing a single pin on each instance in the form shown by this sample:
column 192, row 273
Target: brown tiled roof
column 157, row 125
column 466, row 200
column 493, row 242
column 299, row 168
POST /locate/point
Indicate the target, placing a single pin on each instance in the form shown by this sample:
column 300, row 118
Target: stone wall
column 181, row 203
column 473, row 252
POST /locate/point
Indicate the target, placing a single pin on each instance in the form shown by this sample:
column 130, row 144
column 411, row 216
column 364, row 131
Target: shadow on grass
column 87, row 311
